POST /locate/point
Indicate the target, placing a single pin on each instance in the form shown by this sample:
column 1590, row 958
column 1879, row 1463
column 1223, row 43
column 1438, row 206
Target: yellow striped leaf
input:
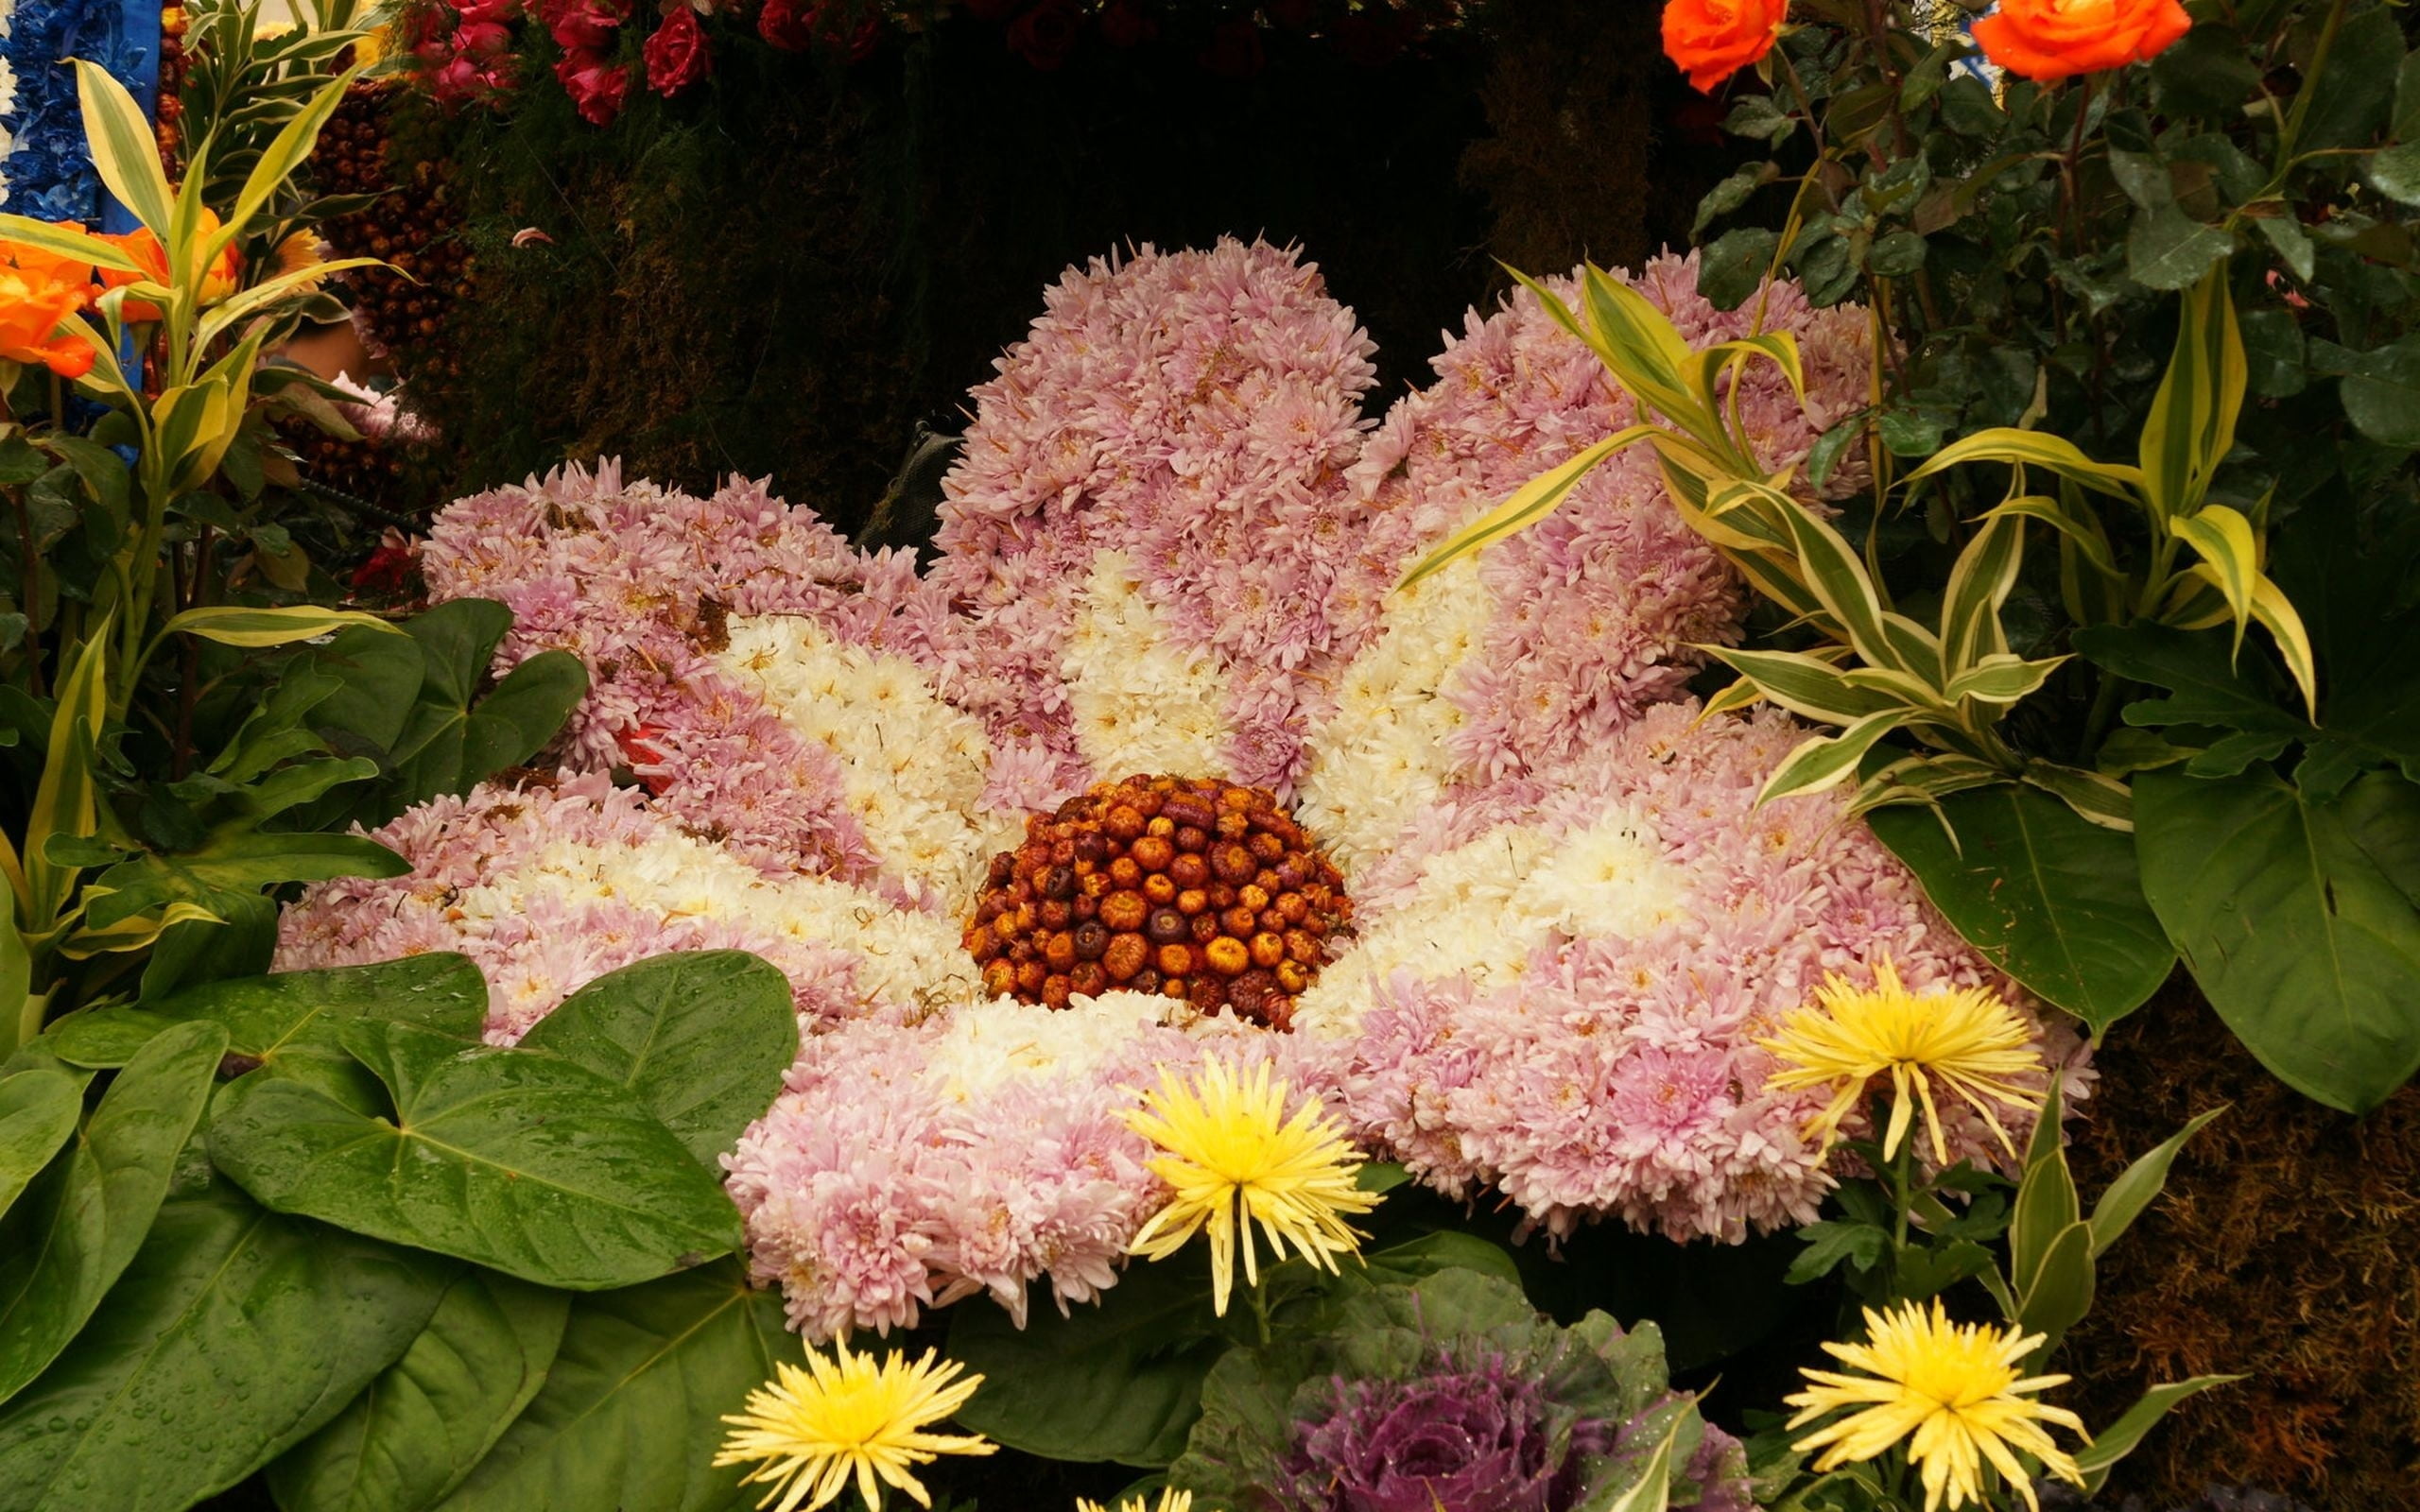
column 2231, row 551
column 231, row 624
column 2002, row 678
column 2271, row 607
column 1535, row 499
column 1815, row 764
column 124, row 151
column 67, row 797
column 1808, row 686
column 2097, row 800
column 1979, row 582
column 2036, row 449
column 2191, row 425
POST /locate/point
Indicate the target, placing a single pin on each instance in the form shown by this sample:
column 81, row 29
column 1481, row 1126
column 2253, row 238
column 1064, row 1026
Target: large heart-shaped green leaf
column 81, row 1220
column 2047, row 898
column 1118, row 1380
column 513, row 1158
column 235, row 1333
column 701, row 1038
column 453, row 738
column 268, row 1018
column 631, row 1414
column 38, row 1111
column 2309, row 950
column 415, row 1431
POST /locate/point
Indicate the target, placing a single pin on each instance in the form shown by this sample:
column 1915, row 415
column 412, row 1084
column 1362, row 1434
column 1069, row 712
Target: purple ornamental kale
column 1476, row 1440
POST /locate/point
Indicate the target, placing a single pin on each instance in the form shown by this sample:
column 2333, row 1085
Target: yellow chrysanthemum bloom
column 849, row 1417
column 1968, row 1038
column 1171, row 1501
column 1235, row 1159
column 1952, row 1392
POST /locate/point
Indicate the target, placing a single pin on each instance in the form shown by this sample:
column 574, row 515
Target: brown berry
column 1166, row 926
column 1227, row 956
column 1126, row 956
column 1175, row 960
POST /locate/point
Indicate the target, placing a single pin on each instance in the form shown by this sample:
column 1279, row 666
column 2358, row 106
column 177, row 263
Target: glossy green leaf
column 269, row 1017
column 2382, row 391
column 64, row 1242
column 630, row 1415
column 2167, row 248
column 519, row 1161
column 2036, row 449
column 2044, row 896
column 2395, row 172
column 2229, row 548
column 700, row 1038
column 2306, row 948
column 453, row 738
column 1116, row 1380
column 2353, row 97
column 1806, row 686
column 235, row 1333
column 419, row 1429
column 2207, row 685
column 38, row 1113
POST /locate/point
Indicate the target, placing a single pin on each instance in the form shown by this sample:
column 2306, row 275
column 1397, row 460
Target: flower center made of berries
column 1193, row 888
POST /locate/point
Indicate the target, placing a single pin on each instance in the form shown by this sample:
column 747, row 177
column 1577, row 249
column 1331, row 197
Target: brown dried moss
column 2287, row 1247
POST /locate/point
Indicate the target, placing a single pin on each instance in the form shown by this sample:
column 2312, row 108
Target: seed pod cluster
column 1193, row 888
column 168, row 128
column 414, row 225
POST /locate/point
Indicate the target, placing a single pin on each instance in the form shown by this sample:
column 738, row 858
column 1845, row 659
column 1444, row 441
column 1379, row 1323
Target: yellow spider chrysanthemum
column 1234, row 1158
column 849, row 1416
column 1968, row 1038
column 1951, row 1392
column 1171, row 1501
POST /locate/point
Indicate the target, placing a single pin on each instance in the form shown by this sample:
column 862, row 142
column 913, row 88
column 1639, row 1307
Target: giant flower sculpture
column 1155, row 762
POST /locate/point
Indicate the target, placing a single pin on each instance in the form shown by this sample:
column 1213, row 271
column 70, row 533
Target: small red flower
column 582, row 24
column 598, row 89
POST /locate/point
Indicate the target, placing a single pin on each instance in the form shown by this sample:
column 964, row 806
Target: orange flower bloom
column 2053, row 39
column 40, row 291
column 1712, row 40
column 143, row 247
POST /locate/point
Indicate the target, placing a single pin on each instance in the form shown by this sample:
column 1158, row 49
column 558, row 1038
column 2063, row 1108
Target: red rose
column 1369, row 41
column 491, row 12
column 1235, row 49
column 596, row 88
column 1045, row 35
column 482, row 39
column 582, row 24
column 677, row 56
column 798, row 26
column 1126, row 24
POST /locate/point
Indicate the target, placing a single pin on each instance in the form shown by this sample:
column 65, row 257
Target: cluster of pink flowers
column 1195, row 412
column 881, row 1183
column 1171, row 532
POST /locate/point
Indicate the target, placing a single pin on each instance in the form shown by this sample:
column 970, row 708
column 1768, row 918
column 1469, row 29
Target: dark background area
column 788, row 272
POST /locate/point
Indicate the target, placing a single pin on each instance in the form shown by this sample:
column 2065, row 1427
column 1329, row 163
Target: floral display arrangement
column 1167, row 999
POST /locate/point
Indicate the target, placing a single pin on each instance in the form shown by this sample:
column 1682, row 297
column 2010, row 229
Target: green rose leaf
column 631, row 1414
column 424, row 1425
column 518, row 1160
column 1732, row 266
column 700, row 1038
column 2353, row 97
column 2381, row 390
column 235, row 1333
column 81, row 1220
column 2278, row 904
column 2047, row 896
column 268, row 1018
column 38, row 1111
column 2167, row 248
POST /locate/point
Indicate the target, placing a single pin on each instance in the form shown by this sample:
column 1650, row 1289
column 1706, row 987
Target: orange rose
column 2053, row 39
column 1712, row 40
column 34, row 304
column 141, row 246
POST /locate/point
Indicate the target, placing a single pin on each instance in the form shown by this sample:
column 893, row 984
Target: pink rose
column 582, row 24
column 677, row 56
column 596, row 88
column 482, row 39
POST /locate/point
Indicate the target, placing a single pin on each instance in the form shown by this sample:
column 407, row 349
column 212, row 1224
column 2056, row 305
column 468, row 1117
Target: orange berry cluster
column 1196, row 890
